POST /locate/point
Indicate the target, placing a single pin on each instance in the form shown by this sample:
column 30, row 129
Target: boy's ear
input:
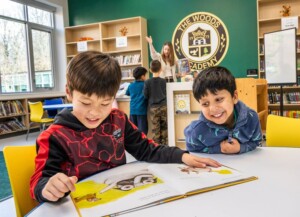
column 235, row 97
column 69, row 94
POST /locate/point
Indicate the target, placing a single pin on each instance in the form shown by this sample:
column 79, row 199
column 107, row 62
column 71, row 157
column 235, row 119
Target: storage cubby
column 15, row 114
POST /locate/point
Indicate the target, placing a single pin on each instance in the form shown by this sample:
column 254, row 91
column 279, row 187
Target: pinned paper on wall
column 289, row 22
column 121, row 41
column 82, row 46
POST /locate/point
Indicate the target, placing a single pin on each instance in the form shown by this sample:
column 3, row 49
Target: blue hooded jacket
column 205, row 136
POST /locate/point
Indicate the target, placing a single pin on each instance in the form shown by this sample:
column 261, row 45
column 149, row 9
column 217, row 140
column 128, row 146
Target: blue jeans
column 141, row 122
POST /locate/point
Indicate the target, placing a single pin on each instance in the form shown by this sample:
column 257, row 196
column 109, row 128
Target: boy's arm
column 48, row 161
column 256, row 135
column 144, row 149
column 194, row 142
column 128, row 91
column 146, row 90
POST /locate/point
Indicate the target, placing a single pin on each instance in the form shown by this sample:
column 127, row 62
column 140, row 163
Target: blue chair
column 53, row 112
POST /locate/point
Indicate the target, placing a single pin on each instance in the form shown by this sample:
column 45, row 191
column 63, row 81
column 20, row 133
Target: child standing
column 226, row 125
column 138, row 103
column 155, row 92
column 93, row 137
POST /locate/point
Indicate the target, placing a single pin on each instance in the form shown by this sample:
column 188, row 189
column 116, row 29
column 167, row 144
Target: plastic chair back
column 52, row 113
column 36, row 116
column 20, row 167
column 36, row 111
column 282, row 131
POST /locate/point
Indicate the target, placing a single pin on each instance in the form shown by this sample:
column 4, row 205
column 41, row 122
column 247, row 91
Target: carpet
column 5, row 190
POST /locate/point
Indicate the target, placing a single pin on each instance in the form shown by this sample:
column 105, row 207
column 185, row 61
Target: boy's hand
column 230, row 148
column 58, row 185
column 201, row 162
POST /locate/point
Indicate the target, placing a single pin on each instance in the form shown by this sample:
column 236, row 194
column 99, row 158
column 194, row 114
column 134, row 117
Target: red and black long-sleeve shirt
column 69, row 147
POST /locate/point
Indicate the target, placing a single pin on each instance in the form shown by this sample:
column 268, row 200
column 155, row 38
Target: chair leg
column 28, row 132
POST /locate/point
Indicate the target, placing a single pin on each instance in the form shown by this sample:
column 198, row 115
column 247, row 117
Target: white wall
column 61, row 21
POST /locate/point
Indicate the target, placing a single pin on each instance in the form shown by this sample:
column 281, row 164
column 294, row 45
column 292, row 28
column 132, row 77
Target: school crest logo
column 202, row 38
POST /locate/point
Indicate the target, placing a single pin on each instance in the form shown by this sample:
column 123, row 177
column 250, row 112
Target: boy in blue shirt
column 138, row 103
column 226, row 125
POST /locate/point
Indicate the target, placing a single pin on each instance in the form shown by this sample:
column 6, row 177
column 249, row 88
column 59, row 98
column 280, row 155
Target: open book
column 140, row 185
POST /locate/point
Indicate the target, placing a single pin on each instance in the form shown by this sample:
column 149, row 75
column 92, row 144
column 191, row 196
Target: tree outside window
column 26, row 48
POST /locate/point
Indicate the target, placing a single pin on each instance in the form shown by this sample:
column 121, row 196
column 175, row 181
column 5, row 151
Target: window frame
column 29, row 26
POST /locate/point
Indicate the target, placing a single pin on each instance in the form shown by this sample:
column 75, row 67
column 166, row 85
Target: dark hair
column 138, row 72
column 213, row 79
column 93, row 72
column 155, row 66
column 171, row 58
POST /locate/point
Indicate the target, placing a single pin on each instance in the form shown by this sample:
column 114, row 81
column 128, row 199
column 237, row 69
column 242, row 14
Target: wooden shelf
column 13, row 116
column 23, row 117
column 287, row 88
column 253, row 92
column 104, row 36
column 269, row 20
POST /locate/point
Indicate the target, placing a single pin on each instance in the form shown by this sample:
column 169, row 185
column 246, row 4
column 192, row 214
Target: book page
column 188, row 179
column 119, row 189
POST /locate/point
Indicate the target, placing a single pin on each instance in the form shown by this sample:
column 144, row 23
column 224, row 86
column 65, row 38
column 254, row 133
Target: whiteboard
column 280, row 57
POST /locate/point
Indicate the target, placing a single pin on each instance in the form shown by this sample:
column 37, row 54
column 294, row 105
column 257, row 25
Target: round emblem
column 202, row 38
column 181, row 104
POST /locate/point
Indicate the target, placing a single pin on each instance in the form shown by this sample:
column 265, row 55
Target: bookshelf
column 291, row 101
column 89, row 33
column 14, row 112
column 269, row 20
column 103, row 36
column 253, row 92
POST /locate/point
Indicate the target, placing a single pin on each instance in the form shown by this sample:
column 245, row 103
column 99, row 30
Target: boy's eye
column 205, row 104
column 104, row 105
column 85, row 103
column 220, row 99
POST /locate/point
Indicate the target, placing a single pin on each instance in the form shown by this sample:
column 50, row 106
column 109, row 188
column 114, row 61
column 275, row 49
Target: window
column 26, row 46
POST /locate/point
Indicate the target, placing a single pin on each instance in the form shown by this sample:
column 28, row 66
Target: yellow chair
column 36, row 116
column 282, row 132
column 20, row 165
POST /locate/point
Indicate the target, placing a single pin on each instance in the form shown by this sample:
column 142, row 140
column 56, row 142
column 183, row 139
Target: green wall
column 162, row 16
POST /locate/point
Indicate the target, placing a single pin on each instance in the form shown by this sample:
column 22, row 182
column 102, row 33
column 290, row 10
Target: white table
column 275, row 194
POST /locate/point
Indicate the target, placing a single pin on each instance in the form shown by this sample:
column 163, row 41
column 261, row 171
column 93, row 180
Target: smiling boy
column 93, row 137
column 226, row 125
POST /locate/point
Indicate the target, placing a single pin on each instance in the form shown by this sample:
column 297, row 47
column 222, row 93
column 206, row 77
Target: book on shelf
column 184, row 66
column 11, row 126
column 261, row 49
column 127, row 73
column 298, row 45
column 182, row 104
column 128, row 59
column 139, row 185
column 13, row 107
column 262, row 65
